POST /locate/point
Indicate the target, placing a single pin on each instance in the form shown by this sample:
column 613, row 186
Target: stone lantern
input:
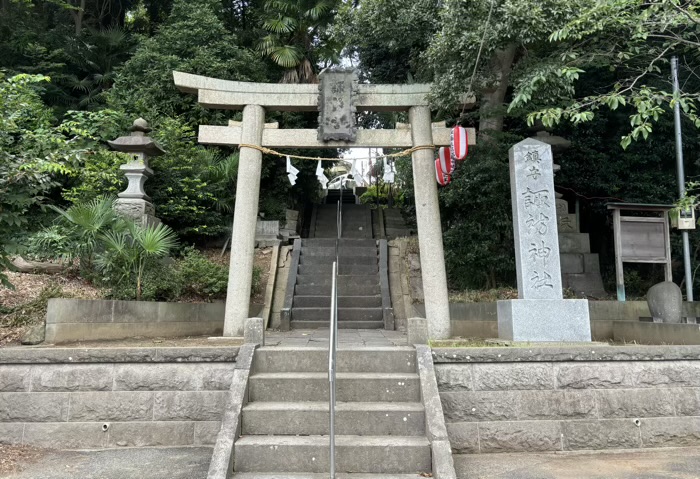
column 133, row 202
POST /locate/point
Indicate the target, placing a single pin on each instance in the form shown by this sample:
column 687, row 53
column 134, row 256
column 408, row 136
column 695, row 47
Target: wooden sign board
column 640, row 239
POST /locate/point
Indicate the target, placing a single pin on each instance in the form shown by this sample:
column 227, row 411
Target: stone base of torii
column 254, row 99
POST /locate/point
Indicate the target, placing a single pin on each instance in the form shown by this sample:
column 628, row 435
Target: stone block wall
column 121, row 397
column 69, row 320
column 566, row 399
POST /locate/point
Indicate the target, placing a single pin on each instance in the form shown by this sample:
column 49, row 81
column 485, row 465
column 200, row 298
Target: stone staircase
column 359, row 282
column 394, row 224
column 357, row 222
column 359, row 290
column 580, row 269
column 380, row 419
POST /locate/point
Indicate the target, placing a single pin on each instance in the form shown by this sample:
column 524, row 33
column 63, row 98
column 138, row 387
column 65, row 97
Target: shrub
column 160, row 282
column 200, row 276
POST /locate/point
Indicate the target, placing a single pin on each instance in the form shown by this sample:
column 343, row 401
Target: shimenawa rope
column 269, row 151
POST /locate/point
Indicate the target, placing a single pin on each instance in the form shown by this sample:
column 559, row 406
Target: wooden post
column 619, row 274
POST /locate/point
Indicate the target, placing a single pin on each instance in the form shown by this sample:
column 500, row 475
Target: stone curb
column 117, row 355
column 221, row 465
column 570, row 353
column 443, row 465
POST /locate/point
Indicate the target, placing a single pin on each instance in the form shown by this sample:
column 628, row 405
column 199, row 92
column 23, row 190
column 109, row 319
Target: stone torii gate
column 337, row 99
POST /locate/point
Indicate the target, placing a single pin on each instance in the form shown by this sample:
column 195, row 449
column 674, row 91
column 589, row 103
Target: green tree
column 636, row 40
column 297, row 38
column 193, row 40
column 483, row 48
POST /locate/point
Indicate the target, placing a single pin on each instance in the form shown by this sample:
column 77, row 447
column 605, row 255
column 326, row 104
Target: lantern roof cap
column 137, row 141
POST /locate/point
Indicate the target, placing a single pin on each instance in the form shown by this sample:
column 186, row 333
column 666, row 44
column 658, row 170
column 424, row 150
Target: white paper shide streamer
column 358, row 177
column 291, row 172
column 389, row 171
column 321, row 177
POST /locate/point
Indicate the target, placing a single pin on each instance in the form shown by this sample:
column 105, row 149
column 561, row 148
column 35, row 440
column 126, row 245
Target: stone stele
column 540, row 313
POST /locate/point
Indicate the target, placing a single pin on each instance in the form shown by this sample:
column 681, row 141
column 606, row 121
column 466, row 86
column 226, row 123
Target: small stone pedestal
column 540, row 313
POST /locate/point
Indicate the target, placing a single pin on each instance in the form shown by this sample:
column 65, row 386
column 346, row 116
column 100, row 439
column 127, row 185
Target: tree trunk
column 492, row 110
column 24, row 266
column 78, row 17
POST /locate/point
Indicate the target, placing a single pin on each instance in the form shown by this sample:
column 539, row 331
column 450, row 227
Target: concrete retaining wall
column 122, row 397
column 479, row 320
column 565, row 399
column 86, row 320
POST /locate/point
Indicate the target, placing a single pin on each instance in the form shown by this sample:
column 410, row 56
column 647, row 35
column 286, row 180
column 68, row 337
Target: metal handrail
column 332, row 357
column 333, row 338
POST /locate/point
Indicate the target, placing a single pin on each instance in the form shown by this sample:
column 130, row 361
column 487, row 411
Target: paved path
column 670, row 463
column 130, row 463
column 346, row 338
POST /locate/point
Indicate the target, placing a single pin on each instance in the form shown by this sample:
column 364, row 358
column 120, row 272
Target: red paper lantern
column 443, row 179
column 459, row 143
column 446, row 162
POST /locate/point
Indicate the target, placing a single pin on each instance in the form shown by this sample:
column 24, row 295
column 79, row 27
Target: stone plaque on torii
column 341, row 97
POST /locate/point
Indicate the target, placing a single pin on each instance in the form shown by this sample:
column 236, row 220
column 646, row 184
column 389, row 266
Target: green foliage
column 50, row 243
column 81, row 227
column 380, row 195
column 192, row 40
column 636, row 40
column 476, row 209
column 474, row 37
column 200, row 276
column 295, row 38
column 194, row 185
column 129, row 249
column 388, row 36
column 159, row 283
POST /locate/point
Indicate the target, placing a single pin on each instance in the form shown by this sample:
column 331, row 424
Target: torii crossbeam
column 344, row 96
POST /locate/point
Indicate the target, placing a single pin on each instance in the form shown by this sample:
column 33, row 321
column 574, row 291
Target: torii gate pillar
column 244, row 220
column 437, row 306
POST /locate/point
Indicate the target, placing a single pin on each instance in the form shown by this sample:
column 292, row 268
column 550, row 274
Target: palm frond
column 287, row 56
column 156, row 240
column 280, row 25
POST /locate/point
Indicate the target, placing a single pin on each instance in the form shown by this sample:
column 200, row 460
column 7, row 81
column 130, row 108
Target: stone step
column 363, row 260
column 343, row 301
column 330, row 242
column 368, row 454
column 343, row 250
column 310, row 475
column 343, row 269
column 343, row 290
column 313, row 386
column 352, row 418
column 387, row 359
column 303, row 324
column 344, row 314
column 327, row 279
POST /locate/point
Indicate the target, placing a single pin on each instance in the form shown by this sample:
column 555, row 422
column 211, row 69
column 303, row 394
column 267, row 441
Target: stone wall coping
column 565, row 353
column 18, row 355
